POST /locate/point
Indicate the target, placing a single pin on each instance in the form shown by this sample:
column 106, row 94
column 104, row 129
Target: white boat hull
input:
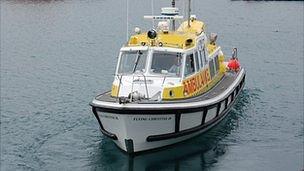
column 146, row 128
column 138, row 127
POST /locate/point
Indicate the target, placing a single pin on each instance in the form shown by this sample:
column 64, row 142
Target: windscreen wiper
column 139, row 53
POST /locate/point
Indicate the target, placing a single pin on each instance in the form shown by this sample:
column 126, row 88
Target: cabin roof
column 184, row 37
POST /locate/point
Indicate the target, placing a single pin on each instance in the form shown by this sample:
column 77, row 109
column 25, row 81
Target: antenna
column 152, row 8
column 189, row 11
column 127, row 19
column 173, row 22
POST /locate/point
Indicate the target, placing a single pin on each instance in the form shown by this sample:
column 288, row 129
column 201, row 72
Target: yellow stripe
column 178, row 92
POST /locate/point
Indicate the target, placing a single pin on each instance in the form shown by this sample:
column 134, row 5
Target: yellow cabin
column 176, row 64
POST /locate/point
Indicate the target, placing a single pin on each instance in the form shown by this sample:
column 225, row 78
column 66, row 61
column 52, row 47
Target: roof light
column 137, row 30
column 193, row 17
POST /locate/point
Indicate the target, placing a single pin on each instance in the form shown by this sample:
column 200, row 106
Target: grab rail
column 145, row 79
column 117, row 95
column 131, row 97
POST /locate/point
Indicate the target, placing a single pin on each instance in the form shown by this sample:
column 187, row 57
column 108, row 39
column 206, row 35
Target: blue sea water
column 56, row 55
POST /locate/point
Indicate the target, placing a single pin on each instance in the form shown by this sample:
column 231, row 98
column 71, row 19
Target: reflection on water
column 196, row 154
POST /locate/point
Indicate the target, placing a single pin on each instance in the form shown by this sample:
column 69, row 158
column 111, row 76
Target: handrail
column 131, row 97
column 145, row 80
column 146, row 85
column 119, row 86
column 164, row 80
column 211, row 55
column 234, row 52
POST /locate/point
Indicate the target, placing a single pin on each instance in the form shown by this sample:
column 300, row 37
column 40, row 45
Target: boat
column 171, row 84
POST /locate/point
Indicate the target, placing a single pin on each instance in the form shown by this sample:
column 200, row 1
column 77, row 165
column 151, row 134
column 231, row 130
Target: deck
column 219, row 88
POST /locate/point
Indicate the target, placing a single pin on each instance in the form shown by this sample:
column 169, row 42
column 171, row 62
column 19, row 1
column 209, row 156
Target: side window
column 211, row 68
column 204, row 56
column 196, row 61
column 201, row 49
column 217, row 67
column 201, row 64
column 189, row 68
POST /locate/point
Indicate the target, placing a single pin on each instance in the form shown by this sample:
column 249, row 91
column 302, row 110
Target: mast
column 173, row 21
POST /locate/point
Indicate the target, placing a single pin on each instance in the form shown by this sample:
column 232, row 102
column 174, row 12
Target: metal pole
column 127, row 2
column 152, row 9
column 188, row 14
column 117, row 95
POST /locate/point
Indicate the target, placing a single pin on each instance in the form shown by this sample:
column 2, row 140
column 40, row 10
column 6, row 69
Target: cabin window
column 201, row 49
column 201, row 62
column 189, row 68
column 131, row 62
column 197, row 63
column 167, row 63
column 204, row 55
column 211, row 67
column 216, row 63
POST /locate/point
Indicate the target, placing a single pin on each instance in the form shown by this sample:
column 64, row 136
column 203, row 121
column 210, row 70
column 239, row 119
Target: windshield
column 166, row 63
column 131, row 62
